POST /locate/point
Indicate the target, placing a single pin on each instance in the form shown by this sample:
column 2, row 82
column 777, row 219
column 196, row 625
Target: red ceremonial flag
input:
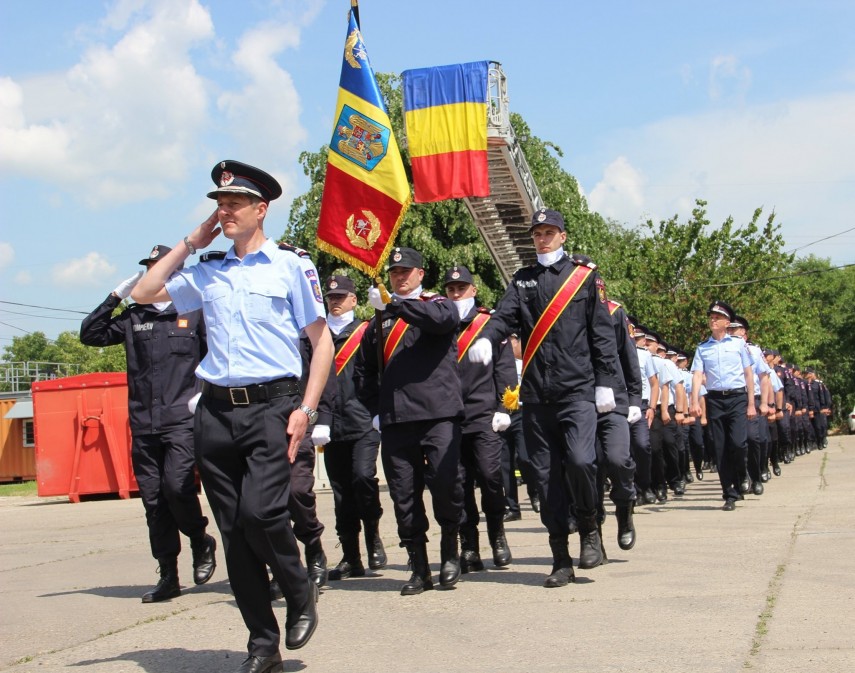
column 366, row 192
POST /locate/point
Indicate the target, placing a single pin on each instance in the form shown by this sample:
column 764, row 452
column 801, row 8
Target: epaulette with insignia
column 583, row 260
column 294, row 249
column 431, row 296
column 212, row 255
column 483, row 309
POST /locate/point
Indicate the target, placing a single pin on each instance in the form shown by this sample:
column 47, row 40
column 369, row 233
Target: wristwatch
column 190, row 248
column 311, row 413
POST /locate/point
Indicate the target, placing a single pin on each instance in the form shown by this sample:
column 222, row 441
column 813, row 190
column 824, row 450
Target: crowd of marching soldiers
column 557, row 382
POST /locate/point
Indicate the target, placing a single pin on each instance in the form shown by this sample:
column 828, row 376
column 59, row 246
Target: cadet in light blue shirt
column 730, row 398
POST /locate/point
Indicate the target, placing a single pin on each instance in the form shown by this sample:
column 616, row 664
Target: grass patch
column 19, row 488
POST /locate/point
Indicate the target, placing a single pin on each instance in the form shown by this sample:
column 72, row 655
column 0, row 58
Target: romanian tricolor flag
column 445, row 110
column 366, row 192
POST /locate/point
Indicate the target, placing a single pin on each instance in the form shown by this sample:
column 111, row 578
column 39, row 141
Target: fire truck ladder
column 504, row 217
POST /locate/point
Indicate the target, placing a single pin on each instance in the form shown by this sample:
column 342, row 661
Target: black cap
column 233, row 177
column 406, row 257
column 157, row 252
column 810, row 370
column 547, row 216
column 458, row 274
column 650, row 335
column 723, row 309
column 339, row 285
column 739, row 321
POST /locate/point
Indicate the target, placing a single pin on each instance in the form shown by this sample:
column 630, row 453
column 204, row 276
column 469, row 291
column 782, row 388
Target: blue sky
column 112, row 114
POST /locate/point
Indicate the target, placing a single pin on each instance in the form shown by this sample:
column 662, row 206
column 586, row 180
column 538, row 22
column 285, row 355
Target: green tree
column 66, row 349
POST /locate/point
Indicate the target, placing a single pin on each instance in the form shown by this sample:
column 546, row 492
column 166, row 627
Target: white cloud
column 792, row 157
column 23, row 278
column 264, row 115
column 728, row 76
column 124, row 119
column 7, row 255
column 90, row 270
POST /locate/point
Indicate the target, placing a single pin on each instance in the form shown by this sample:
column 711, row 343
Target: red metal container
column 83, row 440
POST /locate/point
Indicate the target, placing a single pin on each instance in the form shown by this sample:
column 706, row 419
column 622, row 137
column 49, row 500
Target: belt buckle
column 239, row 402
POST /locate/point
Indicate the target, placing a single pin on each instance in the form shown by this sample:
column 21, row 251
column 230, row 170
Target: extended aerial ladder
column 504, row 217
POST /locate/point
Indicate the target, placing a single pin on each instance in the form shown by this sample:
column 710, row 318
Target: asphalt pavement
column 768, row 587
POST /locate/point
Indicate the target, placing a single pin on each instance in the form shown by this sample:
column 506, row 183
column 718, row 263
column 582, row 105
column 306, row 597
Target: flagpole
column 354, row 5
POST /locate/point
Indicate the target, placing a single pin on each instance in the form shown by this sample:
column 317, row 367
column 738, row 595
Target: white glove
column 375, row 299
column 192, row 402
column 633, row 415
column 481, row 351
column 375, row 423
column 605, row 399
column 321, row 435
column 501, row 422
column 123, row 291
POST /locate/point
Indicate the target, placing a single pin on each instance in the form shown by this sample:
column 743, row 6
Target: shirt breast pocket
column 267, row 305
column 182, row 342
column 215, row 304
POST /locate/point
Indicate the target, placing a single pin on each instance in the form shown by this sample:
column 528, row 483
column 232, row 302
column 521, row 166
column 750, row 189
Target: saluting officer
column 570, row 372
column 163, row 349
column 730, row 398
column 256, row 298
column 415, row 399
column 484, row 417
column 351, row 455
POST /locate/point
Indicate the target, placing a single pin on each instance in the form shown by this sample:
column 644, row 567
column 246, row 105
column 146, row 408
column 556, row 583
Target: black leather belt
column 258, row 392
column 716, row 394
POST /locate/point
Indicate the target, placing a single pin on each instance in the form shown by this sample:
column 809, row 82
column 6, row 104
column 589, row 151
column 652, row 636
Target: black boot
column 498, row 542
column 591, row 552
column 351, row 561
column 420, row 580
column 625, row 525
column 316, row 563
column 168, row 586
column 374, row 545
column 470, row 553
column 562, row 564
column 449, row 554
column 204, row 559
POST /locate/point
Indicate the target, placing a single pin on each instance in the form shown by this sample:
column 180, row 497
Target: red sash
column 613, row 306
column 553, row 310
column 394, row 338
column 349, row 348
column 469, row 335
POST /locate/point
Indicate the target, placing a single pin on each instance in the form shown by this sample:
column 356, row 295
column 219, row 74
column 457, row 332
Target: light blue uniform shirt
column 675, row 379
column 254, row 310
column 723, row 362
column 648, row 369
column 758, row 364
column 687, row 380
column 776, row 381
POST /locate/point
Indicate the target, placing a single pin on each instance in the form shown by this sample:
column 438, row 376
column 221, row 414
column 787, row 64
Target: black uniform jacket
column 351, row 419
column 814, row 391
column 578, row 353
column 483, row 387
column 163, row 350
column 420, row 381
column 787, row 379
column 630, row 394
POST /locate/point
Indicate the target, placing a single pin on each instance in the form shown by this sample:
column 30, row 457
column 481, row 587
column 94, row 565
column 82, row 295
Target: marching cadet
column 726, row 364
column 613, row 439
column 483, row 389
column 415, row 399
column 662, row 430
column 786, row 422
column 570, row 373
column 758, row 428
column 351, row 454
column 163, row 349
column 820, row 409
column 639, row 431
column 775, row 414
column 253, row 413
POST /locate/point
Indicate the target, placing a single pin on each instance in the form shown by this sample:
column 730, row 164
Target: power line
column 14, row 327
column 802, row 247
column 47, row 308
column 787, row 275
column 35, row 315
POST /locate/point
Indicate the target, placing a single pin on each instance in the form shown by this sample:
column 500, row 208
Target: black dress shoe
column 729, row 505
column 758, row 488
column 776, row 470
column 680, row 488
column 300, row 627
column 688, row 478
column 511, row 516
column 535, row 503
column 275, row 590
column 649, row 497
column 271, row 664
column 168, row 585
column 745, row 486
column 700, row 475
column 204, row 559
